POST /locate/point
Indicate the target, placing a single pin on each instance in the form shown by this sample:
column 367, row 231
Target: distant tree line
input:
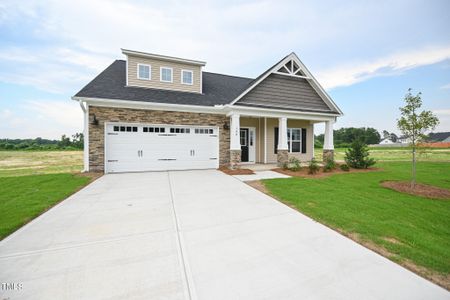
column 343, row 137
column 65, row 143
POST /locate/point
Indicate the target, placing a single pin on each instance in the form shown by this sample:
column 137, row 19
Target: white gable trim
column 314, row 83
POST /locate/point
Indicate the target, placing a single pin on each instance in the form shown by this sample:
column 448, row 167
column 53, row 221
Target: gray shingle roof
column 110, row 84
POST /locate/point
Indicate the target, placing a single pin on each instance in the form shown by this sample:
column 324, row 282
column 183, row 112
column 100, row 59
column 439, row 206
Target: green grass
column 355, row 203
column 395, row 154
column 33, row 181
column 25, row 197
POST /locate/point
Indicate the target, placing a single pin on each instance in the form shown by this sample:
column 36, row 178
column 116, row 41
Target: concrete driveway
column 192, row 235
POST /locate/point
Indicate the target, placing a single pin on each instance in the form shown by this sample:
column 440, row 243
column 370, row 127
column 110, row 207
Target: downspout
column 85, row 107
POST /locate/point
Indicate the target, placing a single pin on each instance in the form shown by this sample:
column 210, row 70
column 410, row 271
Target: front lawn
column 395, row 154
column 411, row 230
column 22, row 198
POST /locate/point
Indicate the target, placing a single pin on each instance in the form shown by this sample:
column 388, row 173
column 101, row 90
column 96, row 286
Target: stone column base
column 282, row 157
column 328, row 154
column 235, row 158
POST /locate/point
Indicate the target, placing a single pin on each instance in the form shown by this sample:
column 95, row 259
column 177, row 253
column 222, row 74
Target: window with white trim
column 144, row 72
column 187, row 77
column 294, row 140
column 166, row 74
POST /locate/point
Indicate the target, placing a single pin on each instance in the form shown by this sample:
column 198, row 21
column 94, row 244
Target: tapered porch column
column 282, row 148
column 235, row 141
column 328, row 143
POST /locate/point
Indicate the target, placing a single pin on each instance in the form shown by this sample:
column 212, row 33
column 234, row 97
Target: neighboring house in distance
column 155, row 112
column 404, row 140
column 386, row 141
column 447, row 140
column 435, row 137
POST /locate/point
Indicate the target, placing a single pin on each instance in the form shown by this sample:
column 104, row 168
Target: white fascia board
column 103, row 102
column 270, row 71
column 316, row 85
column 218, row 109
column 277, row 113
column 163, row 57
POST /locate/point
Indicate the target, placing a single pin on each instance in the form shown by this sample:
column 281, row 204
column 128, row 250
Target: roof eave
column 163, row 57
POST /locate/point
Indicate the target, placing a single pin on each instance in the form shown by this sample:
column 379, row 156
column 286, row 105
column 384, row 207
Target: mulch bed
column 236, row 171
column 303, row 172
column 422, row 190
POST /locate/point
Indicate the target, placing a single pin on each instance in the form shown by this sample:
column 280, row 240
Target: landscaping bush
column 294, row 164
column 313, row 166
column 330, row 165
column 345, row 167
column 357, row 156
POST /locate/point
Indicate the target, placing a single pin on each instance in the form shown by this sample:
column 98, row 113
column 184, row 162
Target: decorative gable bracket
column 291, row 68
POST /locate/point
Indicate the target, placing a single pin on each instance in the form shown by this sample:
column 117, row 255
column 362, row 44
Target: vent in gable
column 291, row 68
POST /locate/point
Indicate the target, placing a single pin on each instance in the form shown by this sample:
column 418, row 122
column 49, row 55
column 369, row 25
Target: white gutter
column 104, row 102
column 217, row 109
column 85, row 108
column 270, row 112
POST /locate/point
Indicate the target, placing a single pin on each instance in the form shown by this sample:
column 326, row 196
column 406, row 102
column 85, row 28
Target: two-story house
column 155, row 112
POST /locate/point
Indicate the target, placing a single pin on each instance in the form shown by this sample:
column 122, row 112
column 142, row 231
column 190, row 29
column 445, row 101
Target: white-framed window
column 294, row 140
column 187, row 77
column 166, row 74
column 144, row 72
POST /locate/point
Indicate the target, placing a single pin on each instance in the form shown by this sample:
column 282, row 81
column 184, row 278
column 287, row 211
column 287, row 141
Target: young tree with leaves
column 414, row 124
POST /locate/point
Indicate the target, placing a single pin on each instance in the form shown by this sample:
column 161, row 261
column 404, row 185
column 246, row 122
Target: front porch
column 266, row 141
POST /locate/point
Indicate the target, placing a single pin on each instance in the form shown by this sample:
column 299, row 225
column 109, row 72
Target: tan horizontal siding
column 272, row 123
column 155, row 81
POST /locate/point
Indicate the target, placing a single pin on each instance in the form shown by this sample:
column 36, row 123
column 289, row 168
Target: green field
column 19, row 163
column 33, row 181
column 408, row 228
column 394, row 154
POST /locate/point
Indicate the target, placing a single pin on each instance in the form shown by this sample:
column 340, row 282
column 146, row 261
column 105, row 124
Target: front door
column 244, row 144
column 247, row 136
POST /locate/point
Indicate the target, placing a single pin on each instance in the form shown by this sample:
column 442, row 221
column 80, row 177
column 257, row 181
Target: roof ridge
column 228, row 75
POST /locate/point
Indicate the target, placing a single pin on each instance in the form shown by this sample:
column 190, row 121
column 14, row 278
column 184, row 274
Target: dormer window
column 166, row 74
column 144, row 72
column 187, row 77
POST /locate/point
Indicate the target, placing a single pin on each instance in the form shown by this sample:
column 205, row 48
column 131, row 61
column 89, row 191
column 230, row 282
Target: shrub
column 294, row 164
column 357, row 156
column 330, row 165
column 344, row 167
column 313, row 167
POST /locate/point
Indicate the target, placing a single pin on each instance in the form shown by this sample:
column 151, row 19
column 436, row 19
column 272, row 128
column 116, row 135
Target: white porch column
column 235, row 141
column 282, row 134
column 328, row 143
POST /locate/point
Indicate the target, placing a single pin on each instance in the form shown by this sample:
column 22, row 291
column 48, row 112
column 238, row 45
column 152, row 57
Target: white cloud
column 82, row 37
column 355, row 72
column 442, row 112
column 42, row 118
column 444, row 119
column 445, row 87
column 67, row 114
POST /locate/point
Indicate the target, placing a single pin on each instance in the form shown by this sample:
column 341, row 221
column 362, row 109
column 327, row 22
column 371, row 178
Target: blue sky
column 365, row 53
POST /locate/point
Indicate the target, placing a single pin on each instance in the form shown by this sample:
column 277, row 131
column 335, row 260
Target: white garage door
column 142, row 147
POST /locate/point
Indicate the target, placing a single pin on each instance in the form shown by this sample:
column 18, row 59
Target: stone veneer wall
column 235, row 158
column 327, row 155
column 111, row 114
column 282, row 157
